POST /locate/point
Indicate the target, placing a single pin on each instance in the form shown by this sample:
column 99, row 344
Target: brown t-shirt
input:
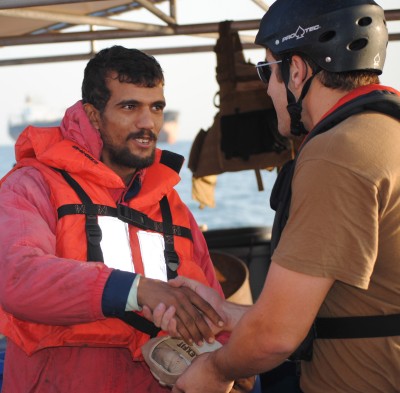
column 344, row 224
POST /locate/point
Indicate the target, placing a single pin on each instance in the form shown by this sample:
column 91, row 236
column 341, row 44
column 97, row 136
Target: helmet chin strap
column 295, row 107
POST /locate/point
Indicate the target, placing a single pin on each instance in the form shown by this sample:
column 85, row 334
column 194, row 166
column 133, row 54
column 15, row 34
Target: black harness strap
column 175, row 162
column 142, row 221
column 94, row 209
column 94, row 252
column 171, row 257
column 358, row 327
column 381, row 101
column 127, row 215
column 140, row 323
column 93, row 230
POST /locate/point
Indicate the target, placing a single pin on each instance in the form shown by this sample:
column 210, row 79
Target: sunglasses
column 264, row 69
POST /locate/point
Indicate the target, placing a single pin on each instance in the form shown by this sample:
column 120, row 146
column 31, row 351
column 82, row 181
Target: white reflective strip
column 115, row 243
column 152, row 251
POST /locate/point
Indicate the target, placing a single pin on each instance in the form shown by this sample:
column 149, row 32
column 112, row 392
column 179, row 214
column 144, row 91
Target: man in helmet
column 336, row 234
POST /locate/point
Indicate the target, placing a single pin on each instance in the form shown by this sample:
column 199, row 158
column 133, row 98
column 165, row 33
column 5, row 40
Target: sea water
column 238, row 201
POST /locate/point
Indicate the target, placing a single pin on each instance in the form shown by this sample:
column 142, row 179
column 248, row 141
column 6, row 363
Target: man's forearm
column 246, row 354
column 255, row 345
column 234, row 313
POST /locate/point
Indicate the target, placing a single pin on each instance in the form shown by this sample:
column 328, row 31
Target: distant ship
column 170, row 130
column 35, row 114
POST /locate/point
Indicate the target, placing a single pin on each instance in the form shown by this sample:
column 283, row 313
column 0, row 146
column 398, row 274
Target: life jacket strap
column 140, row 323
column 142, row 221
column 358, row 327
column 170, row 255
column 138, row 219
column 380, row 101
column 93, row 230
column 127, row 215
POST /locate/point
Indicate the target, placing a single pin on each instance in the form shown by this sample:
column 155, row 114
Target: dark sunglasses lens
column 264, row 72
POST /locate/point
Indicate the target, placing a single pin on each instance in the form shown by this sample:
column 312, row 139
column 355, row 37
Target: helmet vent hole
column 327, row 36
column 366, row 21
column 358, row 44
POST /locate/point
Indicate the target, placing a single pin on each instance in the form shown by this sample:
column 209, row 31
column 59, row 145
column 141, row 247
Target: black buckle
column 93, row 230
column 171, row 259
column 133, row 217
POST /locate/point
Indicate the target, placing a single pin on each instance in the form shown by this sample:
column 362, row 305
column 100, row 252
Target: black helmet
column 338, row 35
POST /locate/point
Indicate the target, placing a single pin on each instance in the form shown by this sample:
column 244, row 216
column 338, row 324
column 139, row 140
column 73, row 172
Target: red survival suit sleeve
column 35, row 284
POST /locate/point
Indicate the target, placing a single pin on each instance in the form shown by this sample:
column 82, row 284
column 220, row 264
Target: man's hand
column 210, row 295
column 202, row 377
column 189, row 310
column 164, row 317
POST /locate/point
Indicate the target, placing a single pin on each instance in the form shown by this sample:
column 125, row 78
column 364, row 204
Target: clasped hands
column 174, row 318
column 211, row 310
column 179, row 307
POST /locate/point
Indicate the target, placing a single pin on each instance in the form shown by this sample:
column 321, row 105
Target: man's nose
column 268, row 90
column 145, row 119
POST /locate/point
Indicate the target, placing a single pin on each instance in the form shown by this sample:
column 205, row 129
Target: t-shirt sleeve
column 332, row 229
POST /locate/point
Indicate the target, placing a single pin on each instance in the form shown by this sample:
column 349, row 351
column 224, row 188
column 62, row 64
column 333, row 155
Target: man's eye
column 129, row 106
column 159, row 107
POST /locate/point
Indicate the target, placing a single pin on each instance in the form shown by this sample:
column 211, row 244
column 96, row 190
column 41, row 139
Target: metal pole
column 4, row 4
column 194, row 29
column 156, row 11
column 85, row 20
column 86, row 56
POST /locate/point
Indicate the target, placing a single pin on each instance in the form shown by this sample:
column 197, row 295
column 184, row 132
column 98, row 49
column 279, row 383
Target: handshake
column 184, row 308
column 169, row 357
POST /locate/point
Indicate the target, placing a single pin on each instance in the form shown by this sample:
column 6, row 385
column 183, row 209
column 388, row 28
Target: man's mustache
column 142, row 134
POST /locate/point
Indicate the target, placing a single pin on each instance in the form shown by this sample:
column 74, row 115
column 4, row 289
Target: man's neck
column 125, row 173
column 127, row 178
column 318, row 101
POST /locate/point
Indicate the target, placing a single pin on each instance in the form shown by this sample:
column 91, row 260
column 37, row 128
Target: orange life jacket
column 95, row 179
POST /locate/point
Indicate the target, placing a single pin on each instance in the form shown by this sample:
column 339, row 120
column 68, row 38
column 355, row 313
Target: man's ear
column 93, row 114
column 299, row 71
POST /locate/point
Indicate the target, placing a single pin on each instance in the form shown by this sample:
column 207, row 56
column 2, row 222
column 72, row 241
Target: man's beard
column 123, row 156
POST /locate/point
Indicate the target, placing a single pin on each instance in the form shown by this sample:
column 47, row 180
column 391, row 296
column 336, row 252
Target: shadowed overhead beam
column 207, row 29
column 394, row 37
column 159, row 51
column 262, row 4
column 87, row 56
column 156, row 11
column 193, row 29
column 121, row 34
column 392, row 15
column 172, row 8
column 154, row 52
column 33, row 3
column 85, row 20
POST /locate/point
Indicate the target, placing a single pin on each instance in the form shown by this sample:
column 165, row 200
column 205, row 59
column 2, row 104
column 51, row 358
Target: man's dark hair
column 345, row 81
column 129, row 65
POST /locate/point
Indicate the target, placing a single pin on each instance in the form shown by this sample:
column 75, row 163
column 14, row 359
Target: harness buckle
column 171, row 259
column 93, row 230
column 130, row 216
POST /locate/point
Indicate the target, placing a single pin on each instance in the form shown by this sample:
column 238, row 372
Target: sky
column 190, row 78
